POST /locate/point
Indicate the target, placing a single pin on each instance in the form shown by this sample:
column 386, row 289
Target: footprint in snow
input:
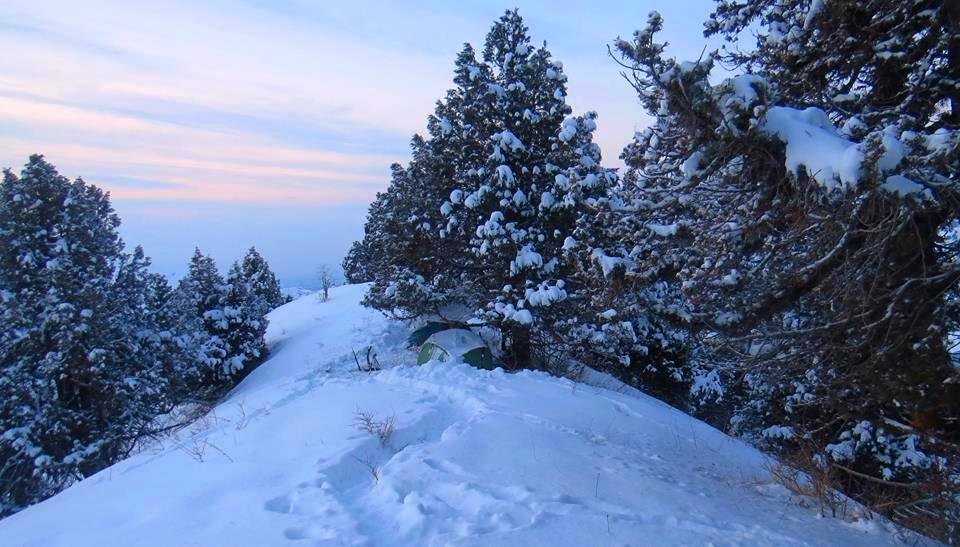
column 312, row 531
column 279, row 504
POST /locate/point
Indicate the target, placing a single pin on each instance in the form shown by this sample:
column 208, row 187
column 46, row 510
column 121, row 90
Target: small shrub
column 381, row 429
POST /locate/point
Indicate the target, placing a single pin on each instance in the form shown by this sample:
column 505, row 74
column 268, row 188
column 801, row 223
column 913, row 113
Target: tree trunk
column 519, row 354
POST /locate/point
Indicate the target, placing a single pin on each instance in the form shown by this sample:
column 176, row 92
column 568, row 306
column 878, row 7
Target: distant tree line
column 96, row 351
column 780, row 256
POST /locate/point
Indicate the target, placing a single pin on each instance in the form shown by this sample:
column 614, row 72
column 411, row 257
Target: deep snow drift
column 477, row 458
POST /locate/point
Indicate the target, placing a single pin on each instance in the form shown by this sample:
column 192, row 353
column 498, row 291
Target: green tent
column 419, row 336
column 455, row 345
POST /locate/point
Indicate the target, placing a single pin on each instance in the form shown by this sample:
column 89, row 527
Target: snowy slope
column 477, row 458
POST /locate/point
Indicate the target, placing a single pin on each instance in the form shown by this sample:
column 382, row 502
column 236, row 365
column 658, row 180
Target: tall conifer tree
column 262, row 281
column 800, row 216
column 76, row 386
column 479, row 219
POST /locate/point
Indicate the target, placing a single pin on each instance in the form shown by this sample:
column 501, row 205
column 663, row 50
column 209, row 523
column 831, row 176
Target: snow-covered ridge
column 476, row 458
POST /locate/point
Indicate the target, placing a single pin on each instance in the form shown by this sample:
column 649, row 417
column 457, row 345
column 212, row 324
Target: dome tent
column 454, row 345
column 420, row 335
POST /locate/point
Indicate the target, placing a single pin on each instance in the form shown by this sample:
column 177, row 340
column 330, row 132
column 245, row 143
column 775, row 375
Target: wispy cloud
column 229, row 106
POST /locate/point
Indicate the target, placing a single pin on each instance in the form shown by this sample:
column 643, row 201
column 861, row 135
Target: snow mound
column 474, row 458
column 814, row 143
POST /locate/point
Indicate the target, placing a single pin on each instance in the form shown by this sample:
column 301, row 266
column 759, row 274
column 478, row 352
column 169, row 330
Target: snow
column 505, row 174
column 707, row 385
column 456, row 342
column 445, row 126
column 852, row 126
column 547, row 201
column 606, row 262
column 568, row 130
column 527, row 257
column 545, row 294
column 511, row 313
column 901, row 186
column 814, row 143
column 509, row 140
column 472, row 200
column 524, row 317
column 743, row 89
column 816, row 6
column 663, row 230
column 692, row 165
column 778, row 432
column 476, row 458
column 893, row 150
column 519, row 198
column 941, row 140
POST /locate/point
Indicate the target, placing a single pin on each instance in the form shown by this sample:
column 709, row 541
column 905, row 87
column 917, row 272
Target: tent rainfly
column 419, row 336
column 454, row 345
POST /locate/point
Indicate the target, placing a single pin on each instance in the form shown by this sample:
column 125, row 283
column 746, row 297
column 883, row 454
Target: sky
column 225, row 124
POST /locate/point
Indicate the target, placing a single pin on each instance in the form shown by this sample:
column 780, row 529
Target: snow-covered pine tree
column 417, row 270
column 356, row 263
column 370, row 253
column 242, row 323
column 175, row 336
column 203, row 290
column 147, row 388
column 868, row 63
column 810, row 245
column 479, row 218
column 517, row 199
column 30, row 214
column 626, row 326
column 262, row 281
column 403, row 258
column 76, row 390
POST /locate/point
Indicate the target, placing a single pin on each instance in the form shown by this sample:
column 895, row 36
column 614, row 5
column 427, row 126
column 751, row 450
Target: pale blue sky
column 226, row 124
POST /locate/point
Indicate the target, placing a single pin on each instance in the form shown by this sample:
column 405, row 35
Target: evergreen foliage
column 94, row 347
column 262, row 281
column 479, row 218
column 243, row 323
column 809, row 249
column 77, row 384
column 357, row 262
column 203, row 291
column 232, row 316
